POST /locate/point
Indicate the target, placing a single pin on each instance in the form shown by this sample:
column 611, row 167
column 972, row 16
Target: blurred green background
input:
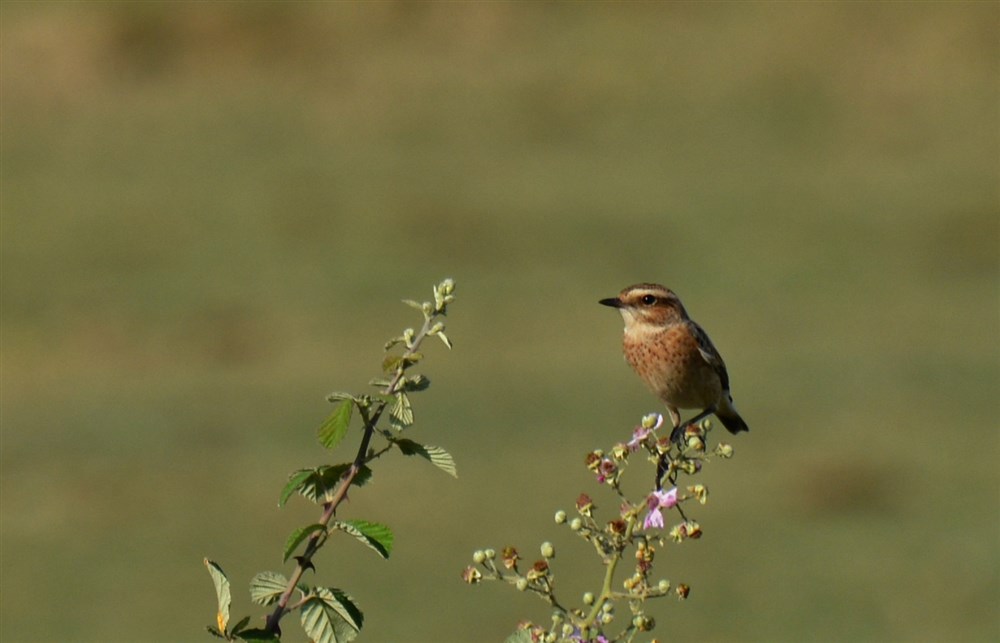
column 211, row 212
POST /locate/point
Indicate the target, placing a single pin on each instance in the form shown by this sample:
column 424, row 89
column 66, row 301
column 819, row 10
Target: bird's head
column 647, row 305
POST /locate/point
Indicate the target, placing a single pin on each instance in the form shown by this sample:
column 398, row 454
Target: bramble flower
column 649, row 424
column 656, row 501
column 510, row 557
column 471, row 575
column 606, row 470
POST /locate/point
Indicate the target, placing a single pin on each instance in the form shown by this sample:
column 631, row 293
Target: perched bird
column 674, row 356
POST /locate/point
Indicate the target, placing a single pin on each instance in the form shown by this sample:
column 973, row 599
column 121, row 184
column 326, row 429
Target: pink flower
column 656, row 501
column 642, row 432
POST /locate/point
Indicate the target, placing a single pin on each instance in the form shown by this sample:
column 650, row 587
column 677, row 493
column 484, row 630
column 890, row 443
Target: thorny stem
column 316, row 541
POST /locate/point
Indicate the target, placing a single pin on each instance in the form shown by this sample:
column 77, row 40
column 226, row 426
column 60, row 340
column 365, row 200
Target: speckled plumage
column 673, row 355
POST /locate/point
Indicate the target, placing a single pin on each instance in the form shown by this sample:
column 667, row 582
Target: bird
column 673, row 355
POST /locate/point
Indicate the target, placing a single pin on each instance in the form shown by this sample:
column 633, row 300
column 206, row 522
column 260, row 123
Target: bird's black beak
column 614, row 302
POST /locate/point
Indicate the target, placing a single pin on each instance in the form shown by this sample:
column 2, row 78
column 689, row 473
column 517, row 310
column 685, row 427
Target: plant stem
column 330, row 507
column 607, row 593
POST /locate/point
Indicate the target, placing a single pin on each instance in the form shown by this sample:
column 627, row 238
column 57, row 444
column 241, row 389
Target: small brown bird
column 674, row 356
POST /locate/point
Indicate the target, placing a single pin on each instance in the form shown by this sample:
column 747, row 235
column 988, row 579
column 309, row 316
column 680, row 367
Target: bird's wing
column 710, row 354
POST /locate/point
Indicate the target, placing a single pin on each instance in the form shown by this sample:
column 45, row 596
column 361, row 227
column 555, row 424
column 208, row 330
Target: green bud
column 576, row 524
column 560, row 517
column 548, row 550
column 479, row 557
column 588, row 598
column 521, row 584
column 490, row 554
column 663, row 586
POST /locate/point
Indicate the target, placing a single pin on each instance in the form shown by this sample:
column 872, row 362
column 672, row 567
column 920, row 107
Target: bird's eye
column 649, row 300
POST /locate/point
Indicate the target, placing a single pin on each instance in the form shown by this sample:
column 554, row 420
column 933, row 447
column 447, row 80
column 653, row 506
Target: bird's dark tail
column 733, row 422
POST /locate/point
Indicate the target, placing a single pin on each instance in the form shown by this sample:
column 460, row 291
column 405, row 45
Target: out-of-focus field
column 211, row 211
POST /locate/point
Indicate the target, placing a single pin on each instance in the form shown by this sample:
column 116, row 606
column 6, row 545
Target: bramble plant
column 329, row 614
column 634, row 534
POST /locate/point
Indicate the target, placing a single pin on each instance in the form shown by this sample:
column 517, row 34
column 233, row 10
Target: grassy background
column 210, row 212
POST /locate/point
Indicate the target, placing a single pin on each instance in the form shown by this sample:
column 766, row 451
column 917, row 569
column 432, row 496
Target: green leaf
column 338, row 396
column 437, row 456
column 267, row 587
column 222, row 593
column 295, row 482
column 335, row 428
column 323, row 481
column 330, row 616
column 414, row 304
column 416, row 383
column 401, row 413
column 297, row 537
column 239, row 626
column 376, row 535
column 519, row 636
column 391, row 363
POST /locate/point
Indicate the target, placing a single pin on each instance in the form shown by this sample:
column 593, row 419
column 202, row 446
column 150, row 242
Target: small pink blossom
column 656, row 501
column 642, row 432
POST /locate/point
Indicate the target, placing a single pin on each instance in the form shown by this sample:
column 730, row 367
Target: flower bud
column 652, row 421
column 724, row 450
column 588, row 598
column 479, row 557
column 683, row 591
column 663, row 586
column 560, row 517
column 548, row 550
column 576, row 524
column 521, row 584
column 699, row 492
column 490, row 554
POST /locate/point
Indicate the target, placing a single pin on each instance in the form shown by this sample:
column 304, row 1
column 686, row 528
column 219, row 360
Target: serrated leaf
column 437, row 456
column 323, row 481
column 223, row 593
column 330, row 616
column 335, row 428
column 297, row 536
column 379, row 382
column 295, row 481
column 416, row 383
column 401, row 413
column 267, row 587
column 374, row 534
